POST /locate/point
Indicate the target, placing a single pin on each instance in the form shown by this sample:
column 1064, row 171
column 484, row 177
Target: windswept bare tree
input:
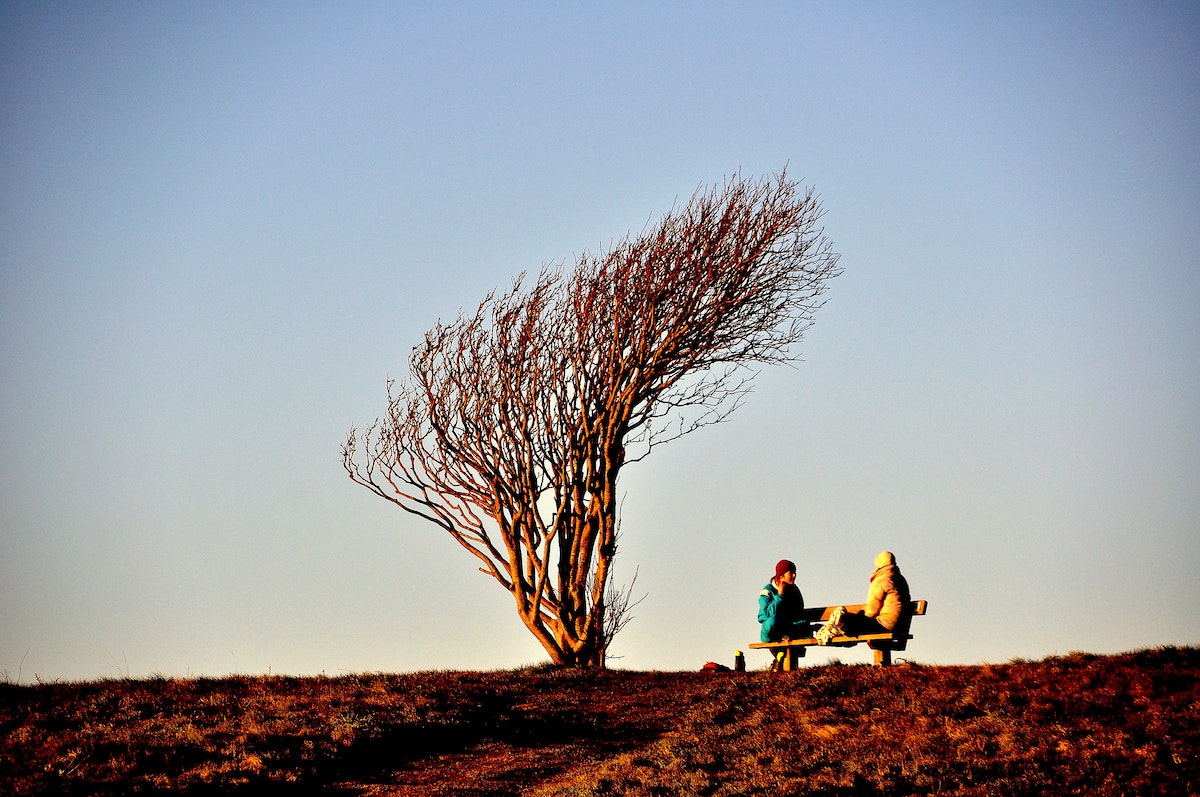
column 515, row 420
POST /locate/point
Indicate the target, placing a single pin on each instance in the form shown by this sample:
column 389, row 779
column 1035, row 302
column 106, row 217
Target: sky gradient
column 224, row 226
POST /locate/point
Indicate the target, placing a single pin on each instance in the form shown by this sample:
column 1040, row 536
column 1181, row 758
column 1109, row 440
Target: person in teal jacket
column 781, row 606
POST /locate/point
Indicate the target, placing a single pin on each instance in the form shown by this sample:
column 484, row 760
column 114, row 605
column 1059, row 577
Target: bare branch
column 516, row 419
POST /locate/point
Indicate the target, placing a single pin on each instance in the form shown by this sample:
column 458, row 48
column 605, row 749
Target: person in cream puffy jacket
column 888, row 594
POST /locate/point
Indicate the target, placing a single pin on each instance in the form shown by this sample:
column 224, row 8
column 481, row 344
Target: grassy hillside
column 1081, row 724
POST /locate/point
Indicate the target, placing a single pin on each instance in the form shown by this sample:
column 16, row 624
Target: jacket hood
column 886, row 570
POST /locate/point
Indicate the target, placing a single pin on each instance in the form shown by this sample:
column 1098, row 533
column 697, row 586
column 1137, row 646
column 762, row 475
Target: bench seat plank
column 843, row 641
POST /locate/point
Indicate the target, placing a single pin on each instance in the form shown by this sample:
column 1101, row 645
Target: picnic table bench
column 883, row 644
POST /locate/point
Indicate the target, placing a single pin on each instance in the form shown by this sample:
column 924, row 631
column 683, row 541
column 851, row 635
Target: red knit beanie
column 784, row 566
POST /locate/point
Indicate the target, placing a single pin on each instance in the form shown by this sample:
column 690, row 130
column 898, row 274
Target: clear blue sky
column 224, row 225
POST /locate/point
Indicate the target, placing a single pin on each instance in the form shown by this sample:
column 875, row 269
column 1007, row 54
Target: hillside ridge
column 1082, row 723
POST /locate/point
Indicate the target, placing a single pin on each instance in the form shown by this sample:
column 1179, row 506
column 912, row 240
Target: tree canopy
column 515, row 420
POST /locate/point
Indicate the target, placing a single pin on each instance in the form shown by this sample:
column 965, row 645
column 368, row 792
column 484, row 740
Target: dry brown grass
column 1081, row 724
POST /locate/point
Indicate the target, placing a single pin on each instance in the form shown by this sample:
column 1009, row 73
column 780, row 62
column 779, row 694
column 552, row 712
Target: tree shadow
column 516, row 742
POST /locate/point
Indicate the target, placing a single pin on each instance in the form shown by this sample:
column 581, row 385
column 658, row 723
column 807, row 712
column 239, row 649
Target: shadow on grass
column 508, row 747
